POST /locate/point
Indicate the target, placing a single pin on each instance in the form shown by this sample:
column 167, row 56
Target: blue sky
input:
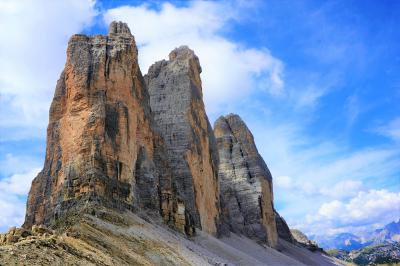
column 316, row 81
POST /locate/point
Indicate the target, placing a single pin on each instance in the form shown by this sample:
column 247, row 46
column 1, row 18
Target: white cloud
column 367, row 210
column 18, row 173
column 18, row 184
column 331, row 208
column 284, row 182
column 366, row 207
column 13, row 191
column 33, row 39
column 343, row 189
column 391, row 130
column 12, row 211
column 12, row 164
column 230, row 71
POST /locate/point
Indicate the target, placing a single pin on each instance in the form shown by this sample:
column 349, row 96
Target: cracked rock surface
column 246, row 182
column 176, row 100
column 101, row 146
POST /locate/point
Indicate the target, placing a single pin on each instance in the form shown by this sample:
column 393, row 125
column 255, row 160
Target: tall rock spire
column 246, row 183
column 176, row 101
column 101, row 146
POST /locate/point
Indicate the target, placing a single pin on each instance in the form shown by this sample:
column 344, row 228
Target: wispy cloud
column 391, row 130
column 310, row 96
column 353, row 109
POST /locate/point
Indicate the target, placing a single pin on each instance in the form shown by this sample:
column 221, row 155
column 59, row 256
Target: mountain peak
column 119, row 28
column 181, row 52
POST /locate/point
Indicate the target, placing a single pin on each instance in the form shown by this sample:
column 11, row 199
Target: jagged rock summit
column 128, row 158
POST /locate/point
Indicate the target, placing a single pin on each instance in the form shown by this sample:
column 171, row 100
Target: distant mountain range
column 390, row 233
column 387, row 253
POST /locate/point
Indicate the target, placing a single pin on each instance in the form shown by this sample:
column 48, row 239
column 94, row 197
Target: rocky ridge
column 389, row 233
column 302, row 240
column 15, row 234
column 381, row 254
column 119, row 143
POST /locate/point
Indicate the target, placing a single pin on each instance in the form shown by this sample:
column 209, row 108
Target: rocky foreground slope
column 111, row 237
column 134, row 173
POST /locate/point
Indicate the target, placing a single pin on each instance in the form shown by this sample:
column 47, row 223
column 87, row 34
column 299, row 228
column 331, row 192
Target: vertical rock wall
column 100, row 140
column 176, row 101
column 246, row 183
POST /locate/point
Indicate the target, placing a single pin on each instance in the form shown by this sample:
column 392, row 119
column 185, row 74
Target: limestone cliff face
column 246, row 183
column 101, row 144
column 176, row 102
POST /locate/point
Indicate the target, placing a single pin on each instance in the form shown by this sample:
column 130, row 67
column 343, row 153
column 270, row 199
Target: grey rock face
column 177, row 105
column 283, row 229
column 245, row 182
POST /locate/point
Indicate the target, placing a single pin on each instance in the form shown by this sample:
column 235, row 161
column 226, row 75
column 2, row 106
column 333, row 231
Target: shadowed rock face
column 283, row 229
column 246, row 183
column 101, row 144
column 176, row 101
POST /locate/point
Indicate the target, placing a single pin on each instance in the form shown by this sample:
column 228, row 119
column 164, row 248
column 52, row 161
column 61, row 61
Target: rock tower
column 246, row 182
column 176, row 99
column 101, row 145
